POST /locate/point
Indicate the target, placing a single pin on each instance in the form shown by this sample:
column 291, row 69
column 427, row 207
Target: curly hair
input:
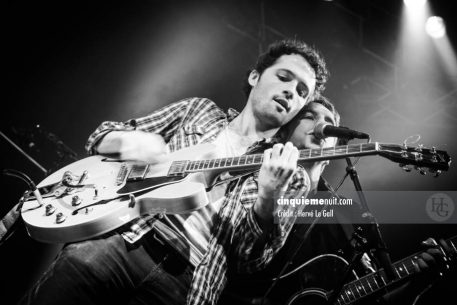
column 287, row 47
column 320, row 99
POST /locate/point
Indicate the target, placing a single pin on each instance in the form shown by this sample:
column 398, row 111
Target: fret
column 338, row 301
column 199, row 165
column 373, row 282
column 451, row 242
column 350, row 293
column 410, row 266
column 368, row 282
column 413, row 265
column 382, row 278
column 402, row 269
column 363, row 287
column 342, row 296
column 398, row 274
column 347, row 294
column 250, row 159
column 259, row 159
column 211, row 163
column 376, row 282
column 356, row 289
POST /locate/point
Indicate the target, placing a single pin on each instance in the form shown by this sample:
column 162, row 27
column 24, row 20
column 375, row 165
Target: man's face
column 314, row 114
column 282, row 90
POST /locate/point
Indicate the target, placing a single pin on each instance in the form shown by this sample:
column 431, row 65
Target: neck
column 247, row 125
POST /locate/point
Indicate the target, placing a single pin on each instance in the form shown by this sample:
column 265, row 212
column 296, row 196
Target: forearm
column 131, row 145
column 259, row 239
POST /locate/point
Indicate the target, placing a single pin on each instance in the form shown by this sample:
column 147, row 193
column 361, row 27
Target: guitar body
column 109, row 199
column 318, row 278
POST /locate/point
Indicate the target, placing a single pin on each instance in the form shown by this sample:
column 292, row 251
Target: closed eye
column 284, row 78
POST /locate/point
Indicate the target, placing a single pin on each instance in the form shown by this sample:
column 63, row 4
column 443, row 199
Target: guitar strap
column 8, row 222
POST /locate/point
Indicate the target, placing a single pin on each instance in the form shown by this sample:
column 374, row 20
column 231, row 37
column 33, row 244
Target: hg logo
column 439, row 207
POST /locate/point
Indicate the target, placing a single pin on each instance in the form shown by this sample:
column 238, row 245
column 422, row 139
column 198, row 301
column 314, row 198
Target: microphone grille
column 319, row 131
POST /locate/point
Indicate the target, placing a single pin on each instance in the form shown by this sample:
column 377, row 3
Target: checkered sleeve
column 254, row 248
column 164, row 121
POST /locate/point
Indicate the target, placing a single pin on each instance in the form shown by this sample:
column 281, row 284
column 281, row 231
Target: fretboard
column 255, row 160
column 377, row 281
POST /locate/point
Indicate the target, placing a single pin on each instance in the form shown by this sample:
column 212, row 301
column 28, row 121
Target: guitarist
column 236, row 261
column 151, row 261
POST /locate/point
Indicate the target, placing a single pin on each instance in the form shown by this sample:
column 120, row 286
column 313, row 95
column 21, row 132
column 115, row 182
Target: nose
column 290, row 90
column 288, row 94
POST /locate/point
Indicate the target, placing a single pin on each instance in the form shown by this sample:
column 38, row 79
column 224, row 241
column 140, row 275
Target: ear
column 253, row 78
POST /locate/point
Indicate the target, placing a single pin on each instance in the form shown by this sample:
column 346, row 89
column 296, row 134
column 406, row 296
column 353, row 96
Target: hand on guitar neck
column 437, row 259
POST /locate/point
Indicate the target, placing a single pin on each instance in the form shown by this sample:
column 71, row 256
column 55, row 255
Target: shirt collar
column 231, row 114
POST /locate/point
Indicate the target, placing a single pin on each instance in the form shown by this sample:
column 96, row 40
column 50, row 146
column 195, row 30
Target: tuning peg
column 435, row 172
column 433, row 150
column 422, row 171
column 405, row 167
column 419, row 147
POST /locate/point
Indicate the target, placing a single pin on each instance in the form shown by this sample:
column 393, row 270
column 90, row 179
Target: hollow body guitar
column 95, row 195
column 373, row 284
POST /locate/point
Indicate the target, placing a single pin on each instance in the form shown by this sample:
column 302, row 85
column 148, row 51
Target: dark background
column 71, row 65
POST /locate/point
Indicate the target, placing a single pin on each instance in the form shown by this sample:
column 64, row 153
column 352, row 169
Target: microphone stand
column 370, row 229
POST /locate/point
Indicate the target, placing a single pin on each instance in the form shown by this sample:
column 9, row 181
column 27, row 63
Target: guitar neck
column 377, row 281
column 255, row 160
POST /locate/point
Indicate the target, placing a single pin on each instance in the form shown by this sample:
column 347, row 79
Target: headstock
column 418, row 157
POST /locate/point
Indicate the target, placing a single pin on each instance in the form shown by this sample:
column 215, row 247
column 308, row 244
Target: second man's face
column 302, row 136
column 282, row 90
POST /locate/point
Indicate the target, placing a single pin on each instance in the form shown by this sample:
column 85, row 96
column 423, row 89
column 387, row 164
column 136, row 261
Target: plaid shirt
column 182, row 124
column 237, row 242
column 187, row 123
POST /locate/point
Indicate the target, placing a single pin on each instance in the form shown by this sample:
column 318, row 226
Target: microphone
column 322, row 131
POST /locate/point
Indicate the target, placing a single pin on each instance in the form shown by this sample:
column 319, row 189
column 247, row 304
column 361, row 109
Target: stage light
column 435, row 27
column 414, row 4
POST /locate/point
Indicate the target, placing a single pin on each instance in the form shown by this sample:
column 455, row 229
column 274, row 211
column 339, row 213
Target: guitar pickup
column 138, row 172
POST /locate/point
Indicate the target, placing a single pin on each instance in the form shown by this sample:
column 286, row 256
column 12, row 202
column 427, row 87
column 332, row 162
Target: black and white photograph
column 256, row 152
